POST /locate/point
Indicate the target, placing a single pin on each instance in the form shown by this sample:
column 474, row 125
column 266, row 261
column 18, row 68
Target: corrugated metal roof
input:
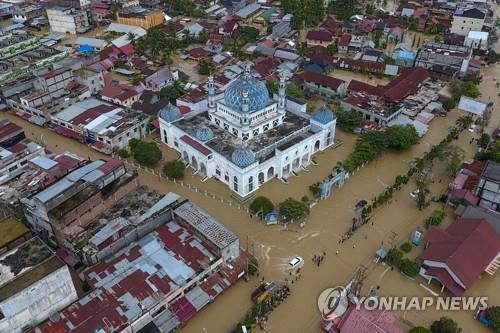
column 167, row 200
column 44, row 162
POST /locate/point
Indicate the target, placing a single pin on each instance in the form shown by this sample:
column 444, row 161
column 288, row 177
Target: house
column 343, row 45
column 319, row 37
column 246, row 13
column 373, row 55
column 161, row 78
column 281, row 29
column 477, row 40
column 488, row 188
column 365, row 27
column 403, row 55
column 443, row 59
column 323, row 85
column 396, row 34
column 150, row 103
column 363, row 320
column 228, row 28
column 406, row 9
column 198, row 53
column 68, row 20
column 456, row 257
column 139, row 16
column 98, row 44
column 473, row 107
column 10, row 133
column 266, row 66
column 331, row 25
column 465, row 20
column 120, row 94
column 318, row 65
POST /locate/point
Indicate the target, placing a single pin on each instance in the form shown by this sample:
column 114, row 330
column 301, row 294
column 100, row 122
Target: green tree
column 146, row 153
column 293, row 209
column 305, row 12
column 249, row 34
column 406, row 247
column 483, row 141
column 294, row 91
column 494, row 317
column 174, row 169
column 445, row 325
column 459, row 88
column 492, row 57
column 205, row 67
column 394, row 257
column 136, row 78
column 172, row 92
column 492, row 153
column 401, row 136
column 347, row 120
column 344, row 9
column 123, row 153
column 261, row 205
column 409, row 267
column 253, row 266
column 419, row 329
column 272, row 87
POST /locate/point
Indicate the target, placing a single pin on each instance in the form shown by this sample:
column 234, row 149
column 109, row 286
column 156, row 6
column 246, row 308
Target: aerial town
column 235, row 166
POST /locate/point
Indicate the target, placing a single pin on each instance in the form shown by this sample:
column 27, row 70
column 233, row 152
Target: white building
column 476, row 40
column 68, row 20
column 245, row 138
column 465, row 20
column 34, row 284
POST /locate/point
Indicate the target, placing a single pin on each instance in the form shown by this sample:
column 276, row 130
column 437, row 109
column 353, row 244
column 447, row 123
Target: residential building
column 141, row 17
column 456, row 257
column 161, row 78
column 159, row 281
column 477, row 40
column 15, row 157
column 246, row 13
column 467, row 19
column 78, row 198
column 362, row 320
column 12, row 234
column 95, row 43
column 34, row 285
column 344, row 41
column 106, row 127
column 27, row 13
column 319, row 37
column 277, row 141
column 90, row 78
column 473, row 107
column 444, row 59
column 120, row 94
column 10, row 133
column 150, row 103
column 68, row 20
column 488, row 188
column 323, row 85
column 403, row 55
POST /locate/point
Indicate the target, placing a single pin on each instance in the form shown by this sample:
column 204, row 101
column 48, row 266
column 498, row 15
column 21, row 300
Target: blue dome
column 323, row 115
column 258, row 95
column 243, row 157
column 170, row 113
column 204, row 134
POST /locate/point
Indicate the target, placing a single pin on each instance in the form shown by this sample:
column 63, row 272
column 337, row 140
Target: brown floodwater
column 274, row 246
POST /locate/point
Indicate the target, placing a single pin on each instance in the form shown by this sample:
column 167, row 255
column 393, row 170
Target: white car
column 414, row 193
column 295, row 263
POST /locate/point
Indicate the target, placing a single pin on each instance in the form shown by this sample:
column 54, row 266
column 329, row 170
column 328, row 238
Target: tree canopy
column 419, row 329
column 261, row 205
column 401, row 136
column 459, row 88
column 174, row 169
column 205, row 67
column 435, row 219
column 445, row 325
column 344, row 9
column 409, row 267
column 293, row 209
column 347, row 120
column 249, row 34
column 305, row 12
column 492, row 153
column 172, row 92
column 146, row 153
column 494, row 317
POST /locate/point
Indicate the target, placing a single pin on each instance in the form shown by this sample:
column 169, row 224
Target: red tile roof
column 321, row 35
column 368, row 321
column 90, row 114
column 406, row 84
column 325, row 80
column 198, row 53
column 358, row 86
column 66, row 162
column 467, row 247
column 127, row 49
column 9, row 129
column 17, row 148
column 196, row 145
column 111, row 165
column 344, row 40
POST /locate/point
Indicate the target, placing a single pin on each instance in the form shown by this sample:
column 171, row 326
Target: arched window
column 250, row 184
column 165, row 138
column 235, row 183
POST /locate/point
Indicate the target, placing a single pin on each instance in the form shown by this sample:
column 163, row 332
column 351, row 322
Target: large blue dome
column 258, row 95
column 170, row 113
column 243, row 157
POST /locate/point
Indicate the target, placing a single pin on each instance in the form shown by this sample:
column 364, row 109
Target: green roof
column 268, row 12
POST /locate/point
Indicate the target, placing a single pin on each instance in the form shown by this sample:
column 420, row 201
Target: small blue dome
column 243, row 157
column 323, row 115
column 204, row 134
column 170, row 113
column 258, row 95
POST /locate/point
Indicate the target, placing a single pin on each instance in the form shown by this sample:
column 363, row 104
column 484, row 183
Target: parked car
column 295, row 263
column 414, row 193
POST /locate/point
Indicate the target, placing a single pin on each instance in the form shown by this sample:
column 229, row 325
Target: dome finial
column 248, row 68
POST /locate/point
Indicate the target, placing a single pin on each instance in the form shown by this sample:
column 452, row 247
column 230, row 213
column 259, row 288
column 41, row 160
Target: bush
column 435, row 219
column 445, row 325
column 419, row 329
column 494, row 317
column 409, row 268
column 174, row 169
column 146, row 153
column 261, row 205
column 394, row 257
column 315, row 189
column 401, row 136
column 449, row 104
column 406, row 247
column 123, row 153
column 305, row 199
column 253, row 266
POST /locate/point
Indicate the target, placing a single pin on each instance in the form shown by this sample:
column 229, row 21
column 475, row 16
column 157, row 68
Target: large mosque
column 246, row 138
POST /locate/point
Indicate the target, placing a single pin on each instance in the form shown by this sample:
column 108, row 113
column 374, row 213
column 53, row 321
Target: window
column 235, row 183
